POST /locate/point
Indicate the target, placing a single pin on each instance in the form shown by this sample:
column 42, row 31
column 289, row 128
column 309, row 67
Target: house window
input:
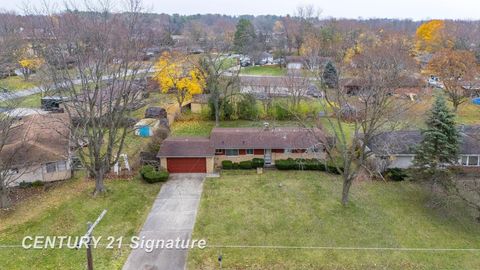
column 61, row 165
column 464, row 160
column 470, row 160
column 231, row 152
column 473, row 161
column 51, row 167
column 288, row 151
column 218, row 151
column 249, row 151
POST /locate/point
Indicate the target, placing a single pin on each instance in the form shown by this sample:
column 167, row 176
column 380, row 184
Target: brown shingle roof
column 37, row 139
column 272, row 138
column 186, row 147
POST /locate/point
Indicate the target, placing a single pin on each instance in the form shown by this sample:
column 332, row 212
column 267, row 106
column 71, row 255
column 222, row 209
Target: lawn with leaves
column 65, row 210
column 264, row 70
column 203, row 128
column 302, row 209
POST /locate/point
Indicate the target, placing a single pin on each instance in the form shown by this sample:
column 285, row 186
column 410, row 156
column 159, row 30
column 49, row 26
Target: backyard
column 65, row 210
column 264, row 71
column 302, row 209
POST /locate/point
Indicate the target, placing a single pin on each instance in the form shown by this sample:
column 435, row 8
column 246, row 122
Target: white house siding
column 401, row 162
column 39, row 173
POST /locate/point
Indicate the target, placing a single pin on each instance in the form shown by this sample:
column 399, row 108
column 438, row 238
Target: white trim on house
column 467, row 160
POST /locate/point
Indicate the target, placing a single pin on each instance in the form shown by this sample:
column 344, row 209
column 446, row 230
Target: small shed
column 146, row 127
column 199, row 102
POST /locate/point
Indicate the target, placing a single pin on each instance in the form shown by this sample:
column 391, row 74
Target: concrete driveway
column 172, row 216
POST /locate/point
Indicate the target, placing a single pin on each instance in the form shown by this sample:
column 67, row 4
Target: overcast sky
column 413, row 9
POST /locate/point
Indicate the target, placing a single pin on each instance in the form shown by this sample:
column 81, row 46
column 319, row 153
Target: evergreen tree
column 440, row 139
column 244, row 36
column 330, row 76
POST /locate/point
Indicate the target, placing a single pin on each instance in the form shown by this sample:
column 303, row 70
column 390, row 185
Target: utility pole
column 88, row 235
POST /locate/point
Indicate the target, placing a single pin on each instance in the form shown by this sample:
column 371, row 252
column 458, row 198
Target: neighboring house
column 180, row 155
column 301, row 62
column 38, row 149
column 397, row 149
column 199, row 102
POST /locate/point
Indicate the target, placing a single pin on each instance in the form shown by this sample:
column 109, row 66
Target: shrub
column 281, row 111
column 305, row 164
column 314, row 165
column 227, row 165
column 258, row 163
column 24, row 184
column 151, row 175
column 286, row 164
column 333, row 169
column 395, row 174
column 247, row 108
column 236, row 166
column 245, row 165
column 38, row 183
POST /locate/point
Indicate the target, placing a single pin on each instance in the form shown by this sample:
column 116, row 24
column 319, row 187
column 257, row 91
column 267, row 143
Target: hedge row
column 305, row 164
column 151, row 175
column 243, row 165
column 395, row 174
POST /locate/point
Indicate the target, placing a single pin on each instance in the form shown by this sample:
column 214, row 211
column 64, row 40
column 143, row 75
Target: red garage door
column 187, row 165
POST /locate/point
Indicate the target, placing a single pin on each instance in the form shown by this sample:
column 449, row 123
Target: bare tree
column 380, row 70
column 8, row 160
column 11, row 43
column 297, row 84
column 103, row 81
column 218, row 70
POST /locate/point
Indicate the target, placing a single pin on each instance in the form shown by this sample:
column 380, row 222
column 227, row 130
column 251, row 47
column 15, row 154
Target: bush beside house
column 305, row 164
column 243, row 165
column 152, row 175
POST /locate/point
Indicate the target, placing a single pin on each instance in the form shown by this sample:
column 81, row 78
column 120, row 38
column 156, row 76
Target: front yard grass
column 264, row 70
column 302, row 209
column 65, row 210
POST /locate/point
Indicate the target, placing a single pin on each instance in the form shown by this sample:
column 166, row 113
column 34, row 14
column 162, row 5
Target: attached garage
column 187, row 155
column 187, row 165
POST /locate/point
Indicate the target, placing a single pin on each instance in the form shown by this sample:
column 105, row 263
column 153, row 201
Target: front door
column 268, row 156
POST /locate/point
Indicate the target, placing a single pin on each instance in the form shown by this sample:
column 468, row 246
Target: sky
column 411, row 9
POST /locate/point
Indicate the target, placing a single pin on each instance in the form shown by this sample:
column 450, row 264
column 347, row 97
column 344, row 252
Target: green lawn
column 16, row 83
column 32, row 101
column 303, row 209
column 65, row 210
column 203, row 128
column 264, row 70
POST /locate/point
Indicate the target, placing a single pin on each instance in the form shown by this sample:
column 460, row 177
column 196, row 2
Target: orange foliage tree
column 174, row 72
column 431, row 36
column 455, row 68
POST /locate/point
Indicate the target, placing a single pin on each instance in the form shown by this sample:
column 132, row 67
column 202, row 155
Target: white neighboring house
column 38, row 149
column 397, row 149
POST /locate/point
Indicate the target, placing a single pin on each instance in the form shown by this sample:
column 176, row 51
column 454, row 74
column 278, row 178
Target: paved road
column 36, row 90
column 172, row 215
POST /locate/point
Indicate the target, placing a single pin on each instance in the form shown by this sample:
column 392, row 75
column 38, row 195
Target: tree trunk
column 4, row 200
column 347, row 183
column 217, row 112
column 99, row 184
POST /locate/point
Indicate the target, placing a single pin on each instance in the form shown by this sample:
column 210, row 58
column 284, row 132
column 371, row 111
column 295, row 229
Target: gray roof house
column 397, row 148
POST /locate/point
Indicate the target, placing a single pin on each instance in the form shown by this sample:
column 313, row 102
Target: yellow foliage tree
column 30, row 65
column 175, row 72
column 431, row 36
